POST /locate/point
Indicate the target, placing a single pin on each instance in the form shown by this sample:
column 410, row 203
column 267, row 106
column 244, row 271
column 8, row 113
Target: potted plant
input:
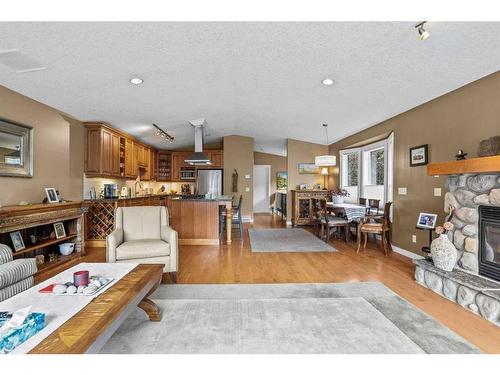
column 338, row 195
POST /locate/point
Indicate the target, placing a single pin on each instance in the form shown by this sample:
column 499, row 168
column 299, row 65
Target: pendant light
column 325, row 160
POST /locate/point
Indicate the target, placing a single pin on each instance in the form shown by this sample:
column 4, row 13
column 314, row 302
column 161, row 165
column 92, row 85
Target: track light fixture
column 422, row 33
column 163, row 134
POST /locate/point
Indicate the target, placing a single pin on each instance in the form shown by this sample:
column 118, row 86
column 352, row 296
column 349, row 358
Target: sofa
column 16, row 275
column 142, row 235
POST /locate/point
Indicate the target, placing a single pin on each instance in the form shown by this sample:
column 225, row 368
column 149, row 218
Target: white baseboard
column 406, row 253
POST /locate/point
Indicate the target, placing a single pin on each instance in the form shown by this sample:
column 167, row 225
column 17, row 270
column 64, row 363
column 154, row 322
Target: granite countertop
column 122, row 199
column 220, row 198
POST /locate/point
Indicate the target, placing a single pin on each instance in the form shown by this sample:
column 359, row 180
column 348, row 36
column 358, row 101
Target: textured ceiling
column 255, row 79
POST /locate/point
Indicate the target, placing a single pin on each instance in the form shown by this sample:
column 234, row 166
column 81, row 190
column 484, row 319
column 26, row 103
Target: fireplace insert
column 489, row 241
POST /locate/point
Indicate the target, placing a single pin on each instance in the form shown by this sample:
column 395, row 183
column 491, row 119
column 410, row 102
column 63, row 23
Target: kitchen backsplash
column 98, row 184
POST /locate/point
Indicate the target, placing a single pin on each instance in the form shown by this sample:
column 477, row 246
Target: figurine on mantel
column 460, row 155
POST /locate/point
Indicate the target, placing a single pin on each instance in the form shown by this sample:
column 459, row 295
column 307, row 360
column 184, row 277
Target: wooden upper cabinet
column 102, row 151
column 177, row 163
column 130, row 159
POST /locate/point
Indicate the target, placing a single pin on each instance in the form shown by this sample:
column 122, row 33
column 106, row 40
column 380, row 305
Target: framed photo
column 426, row 220
column 419, row 155
column 59, row 229
column 308, row 168
column 281, row 180
column 303, row 187
column 52, row 195
column 17, row 241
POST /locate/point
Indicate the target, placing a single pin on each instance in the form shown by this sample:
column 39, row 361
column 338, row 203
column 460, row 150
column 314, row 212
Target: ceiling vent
column 19, row 62
column 198, row 157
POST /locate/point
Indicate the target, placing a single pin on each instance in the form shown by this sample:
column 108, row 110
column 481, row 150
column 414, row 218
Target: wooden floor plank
column 236, row 263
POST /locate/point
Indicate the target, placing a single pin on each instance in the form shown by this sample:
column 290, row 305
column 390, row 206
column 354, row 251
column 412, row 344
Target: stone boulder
column 450, row 202
column 465, row 296
column 488, row 307
column 450, row 289
column 495, row 197
column 471, row 245
column 434, row 282
column 457, row 223
column 458, row 239
column 482, row 183
column 482, row 199
column 467, row 214
column 465, row 197
column 469, row 230
column 419, row 275
column 469, row 261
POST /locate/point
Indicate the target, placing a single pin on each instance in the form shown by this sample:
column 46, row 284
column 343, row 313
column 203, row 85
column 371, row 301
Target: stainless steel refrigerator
column 209, row 181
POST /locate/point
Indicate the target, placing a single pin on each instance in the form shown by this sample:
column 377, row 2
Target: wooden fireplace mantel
column 475, row 165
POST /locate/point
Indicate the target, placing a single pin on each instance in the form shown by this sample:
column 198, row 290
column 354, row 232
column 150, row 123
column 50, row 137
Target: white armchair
column 142, row 235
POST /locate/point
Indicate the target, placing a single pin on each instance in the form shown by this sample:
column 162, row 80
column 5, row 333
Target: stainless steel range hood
column 198, row 157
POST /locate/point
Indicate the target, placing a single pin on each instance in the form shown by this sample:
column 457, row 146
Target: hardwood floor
column 235, row 263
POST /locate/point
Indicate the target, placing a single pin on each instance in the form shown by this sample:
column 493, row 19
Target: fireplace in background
column 489, row 241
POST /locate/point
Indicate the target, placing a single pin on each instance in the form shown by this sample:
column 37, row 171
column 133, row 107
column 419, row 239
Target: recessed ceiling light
column 327, row 82
column 136, row 81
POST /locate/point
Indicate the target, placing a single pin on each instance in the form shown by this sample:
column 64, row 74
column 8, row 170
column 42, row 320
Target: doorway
column 261, row 188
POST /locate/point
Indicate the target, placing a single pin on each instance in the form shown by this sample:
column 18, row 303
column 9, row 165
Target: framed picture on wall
column 281, row 180
column 308, row 168
column 419, row 155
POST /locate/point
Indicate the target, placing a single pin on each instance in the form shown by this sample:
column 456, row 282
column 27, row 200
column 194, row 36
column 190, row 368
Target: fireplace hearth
column 489, row 241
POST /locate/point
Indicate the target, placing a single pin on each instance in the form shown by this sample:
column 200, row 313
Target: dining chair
column 370, row 225
column 373, row 204
column 317, row 215
column 236, row 219
column 330, row 222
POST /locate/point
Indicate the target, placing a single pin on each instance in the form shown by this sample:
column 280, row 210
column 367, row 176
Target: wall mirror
column 16, row 149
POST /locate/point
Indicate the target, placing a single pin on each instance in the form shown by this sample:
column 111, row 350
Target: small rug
column 294, row 240
column 359, row 318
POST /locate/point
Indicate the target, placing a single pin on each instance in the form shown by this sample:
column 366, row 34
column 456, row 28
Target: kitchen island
column 197, row 220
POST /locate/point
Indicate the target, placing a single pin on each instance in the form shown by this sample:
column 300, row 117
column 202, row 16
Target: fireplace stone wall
column 465, row 193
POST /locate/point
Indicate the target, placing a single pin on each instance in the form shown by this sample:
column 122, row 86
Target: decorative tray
column 95, row 284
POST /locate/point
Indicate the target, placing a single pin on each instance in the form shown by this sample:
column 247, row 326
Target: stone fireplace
column 466, row 193
column 474, row 282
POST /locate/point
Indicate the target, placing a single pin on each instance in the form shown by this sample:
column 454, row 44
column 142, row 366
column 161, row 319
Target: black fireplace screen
column 489, row 241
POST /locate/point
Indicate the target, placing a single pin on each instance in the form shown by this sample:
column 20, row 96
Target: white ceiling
column 255, row 79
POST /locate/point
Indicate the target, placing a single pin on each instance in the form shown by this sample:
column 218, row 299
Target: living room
column 250, row 187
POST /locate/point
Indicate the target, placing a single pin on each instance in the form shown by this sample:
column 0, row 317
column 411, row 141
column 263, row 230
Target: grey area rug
column 284, row 318
column 286, row 240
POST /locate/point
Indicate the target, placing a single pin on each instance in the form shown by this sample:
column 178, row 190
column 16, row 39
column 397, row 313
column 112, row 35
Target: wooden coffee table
column 89, row 329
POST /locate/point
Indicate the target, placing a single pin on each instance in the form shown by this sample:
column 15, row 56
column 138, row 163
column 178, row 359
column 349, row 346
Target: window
column 366, row 172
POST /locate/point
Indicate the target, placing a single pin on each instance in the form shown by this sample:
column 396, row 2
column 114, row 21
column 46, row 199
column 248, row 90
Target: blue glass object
column 33, row 323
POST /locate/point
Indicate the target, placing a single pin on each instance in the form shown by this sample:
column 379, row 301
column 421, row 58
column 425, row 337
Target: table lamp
column 324, row 172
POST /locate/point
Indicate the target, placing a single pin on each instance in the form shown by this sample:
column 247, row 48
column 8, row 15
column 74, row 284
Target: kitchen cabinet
column 102, row 152
column 177, row 164
column 164, row 166
column 130, row 159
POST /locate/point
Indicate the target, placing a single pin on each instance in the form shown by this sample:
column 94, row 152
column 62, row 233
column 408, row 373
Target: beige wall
column 238, row 154
column 58, row 151
column 277, row 163
column 457, row 120
column 301, row 152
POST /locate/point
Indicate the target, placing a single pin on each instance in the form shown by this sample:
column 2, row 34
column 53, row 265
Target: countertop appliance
column 209, row 181
column 110, row 191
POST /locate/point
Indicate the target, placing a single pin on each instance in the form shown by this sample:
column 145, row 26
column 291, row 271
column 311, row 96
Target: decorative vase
column 444, row 254
column 338, row 199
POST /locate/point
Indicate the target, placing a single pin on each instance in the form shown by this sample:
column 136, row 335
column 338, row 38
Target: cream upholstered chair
column 142, row 235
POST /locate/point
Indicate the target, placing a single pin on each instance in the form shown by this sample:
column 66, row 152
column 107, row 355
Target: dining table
column 351, row 211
